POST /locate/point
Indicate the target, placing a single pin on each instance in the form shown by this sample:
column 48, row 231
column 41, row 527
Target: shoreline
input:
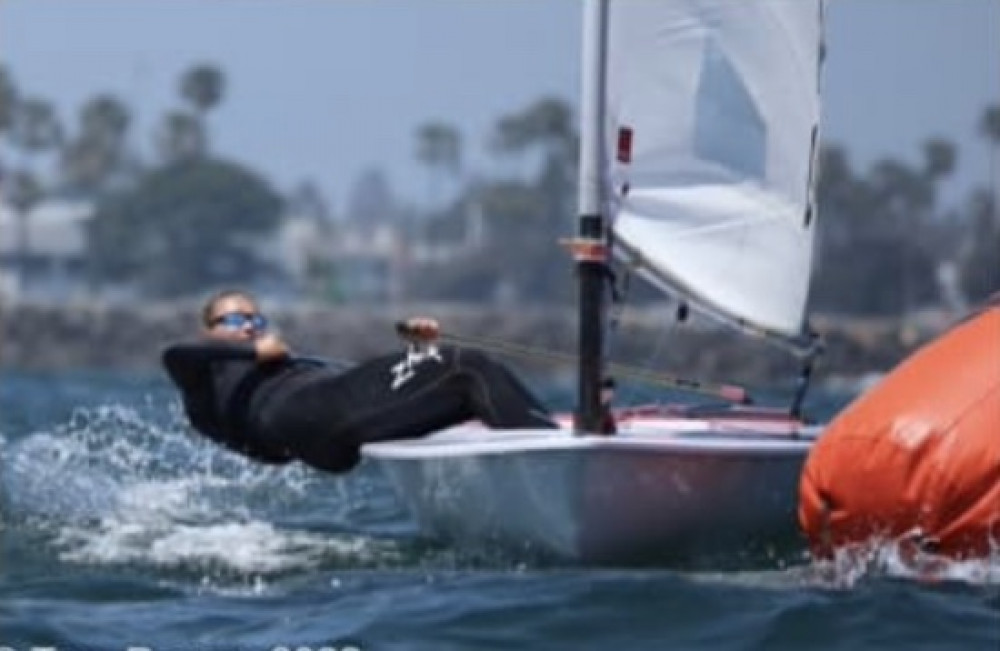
column 93, row 335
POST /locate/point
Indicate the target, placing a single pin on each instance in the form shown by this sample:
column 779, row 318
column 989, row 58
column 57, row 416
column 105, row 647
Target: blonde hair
column 209, row 306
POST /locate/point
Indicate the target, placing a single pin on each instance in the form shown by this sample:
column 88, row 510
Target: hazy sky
column 323, row 89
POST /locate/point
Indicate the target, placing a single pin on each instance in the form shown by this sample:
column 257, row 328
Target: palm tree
column 439, row 148
column 8, row 99
column 203, row 87
column 989, row 126
column 180, row 137
column 940, row 158
column 980, row 272
column 106, row 117
column 98, row 150
column 548, row 123
column 371, row 200
column 34, row 129
column 546, row 127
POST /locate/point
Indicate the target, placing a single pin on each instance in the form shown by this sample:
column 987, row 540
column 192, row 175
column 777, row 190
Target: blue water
column 122, row 529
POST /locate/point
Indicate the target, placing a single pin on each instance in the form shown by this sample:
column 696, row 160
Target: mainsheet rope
column 729, row 392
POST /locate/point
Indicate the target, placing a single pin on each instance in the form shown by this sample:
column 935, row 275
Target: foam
column 252, row 547
column 879, row 558
column 117, row 486
column 851, row 567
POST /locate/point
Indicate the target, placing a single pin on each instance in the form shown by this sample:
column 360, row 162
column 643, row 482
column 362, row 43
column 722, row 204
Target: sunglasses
column 239, row 320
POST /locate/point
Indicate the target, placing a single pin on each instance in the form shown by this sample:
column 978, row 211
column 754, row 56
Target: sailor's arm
column 188, row 362
column 183, row 359
column 189, row 367
column 266, row 348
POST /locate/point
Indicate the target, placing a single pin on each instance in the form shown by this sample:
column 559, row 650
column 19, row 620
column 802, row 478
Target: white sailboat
column 699, row 134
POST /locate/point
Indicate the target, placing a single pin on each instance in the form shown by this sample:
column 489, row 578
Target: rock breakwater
column 92, row 335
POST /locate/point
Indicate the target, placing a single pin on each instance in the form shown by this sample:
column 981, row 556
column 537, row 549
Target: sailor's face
column 235, row 318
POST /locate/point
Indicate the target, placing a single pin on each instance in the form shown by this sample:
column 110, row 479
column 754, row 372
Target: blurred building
column 373, row 260
column 43, row 252
column 43, row 255
column 381, row 262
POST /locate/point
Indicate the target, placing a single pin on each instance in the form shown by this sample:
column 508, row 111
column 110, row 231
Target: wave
column 872, row 562
column 126, row 485
column 898, row 559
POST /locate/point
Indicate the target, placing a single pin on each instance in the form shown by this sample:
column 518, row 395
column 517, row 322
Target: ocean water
column 121, row 529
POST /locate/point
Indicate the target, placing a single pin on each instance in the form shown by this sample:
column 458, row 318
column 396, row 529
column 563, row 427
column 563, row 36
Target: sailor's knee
column 475, row 359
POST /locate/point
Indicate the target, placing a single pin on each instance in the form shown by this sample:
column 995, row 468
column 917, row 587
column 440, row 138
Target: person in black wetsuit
column 242, row 387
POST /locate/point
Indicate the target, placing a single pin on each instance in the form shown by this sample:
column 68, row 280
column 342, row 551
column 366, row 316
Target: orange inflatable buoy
column 918, row 456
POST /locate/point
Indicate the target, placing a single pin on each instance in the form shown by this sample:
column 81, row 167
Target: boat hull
column 656, row 490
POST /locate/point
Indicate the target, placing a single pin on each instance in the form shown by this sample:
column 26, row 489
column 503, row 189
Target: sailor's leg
column 304, row 420
column 326, row 421
column 498, row 397
column 443, row 389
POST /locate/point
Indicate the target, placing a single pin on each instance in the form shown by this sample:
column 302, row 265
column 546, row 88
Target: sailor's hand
column 419, row 329
column 270, row 348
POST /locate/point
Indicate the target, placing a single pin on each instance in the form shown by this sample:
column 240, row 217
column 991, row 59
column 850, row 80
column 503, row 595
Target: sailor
column 243, row 388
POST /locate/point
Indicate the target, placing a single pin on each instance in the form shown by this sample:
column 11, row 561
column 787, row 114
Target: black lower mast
column 590, row 249
column 591, row 261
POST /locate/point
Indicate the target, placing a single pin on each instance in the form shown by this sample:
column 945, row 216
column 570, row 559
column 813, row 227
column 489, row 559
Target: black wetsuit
column 275, row 412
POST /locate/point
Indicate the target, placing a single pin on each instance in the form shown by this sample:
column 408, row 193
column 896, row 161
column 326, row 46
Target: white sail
column 712, row 113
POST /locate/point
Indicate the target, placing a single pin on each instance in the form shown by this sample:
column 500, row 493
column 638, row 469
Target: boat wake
column 872, row 562
column 897, row 559
column 116, row 486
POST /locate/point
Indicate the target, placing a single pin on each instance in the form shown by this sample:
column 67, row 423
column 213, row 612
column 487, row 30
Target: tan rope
column 728, row 392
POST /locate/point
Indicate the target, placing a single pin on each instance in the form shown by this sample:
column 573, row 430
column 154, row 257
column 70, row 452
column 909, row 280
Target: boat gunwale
column 505, row 442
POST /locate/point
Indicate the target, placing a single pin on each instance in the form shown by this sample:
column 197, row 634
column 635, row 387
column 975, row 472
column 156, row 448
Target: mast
column 590, row 250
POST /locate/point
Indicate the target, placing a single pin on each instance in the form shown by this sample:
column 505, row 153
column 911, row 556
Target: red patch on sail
column 624, row 145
